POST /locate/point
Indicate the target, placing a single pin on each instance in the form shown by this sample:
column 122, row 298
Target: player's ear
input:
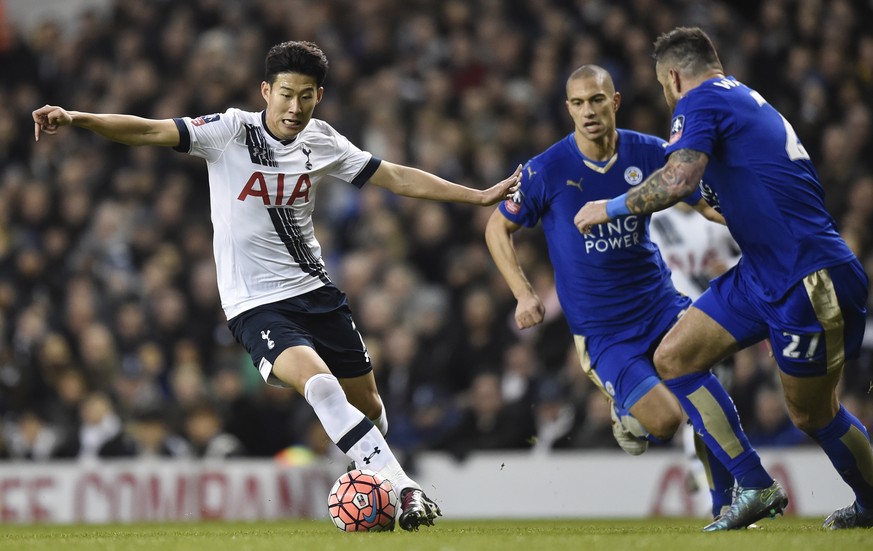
column 616, row 101
column 676, row 80
column 265, row 90
column 319, row 94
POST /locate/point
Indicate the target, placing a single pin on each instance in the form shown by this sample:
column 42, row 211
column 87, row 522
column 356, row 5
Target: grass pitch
column 668, row 534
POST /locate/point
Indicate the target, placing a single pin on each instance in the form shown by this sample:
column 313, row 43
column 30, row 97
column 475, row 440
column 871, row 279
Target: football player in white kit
column 264, row 172
column 695, row 249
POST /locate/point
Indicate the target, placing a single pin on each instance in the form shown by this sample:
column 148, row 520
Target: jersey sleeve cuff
column 617, row 206
column 366, row 172
column 184, row 136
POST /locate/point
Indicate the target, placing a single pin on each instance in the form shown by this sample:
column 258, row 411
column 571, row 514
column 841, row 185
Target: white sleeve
column 207, row 136
column 352, row 164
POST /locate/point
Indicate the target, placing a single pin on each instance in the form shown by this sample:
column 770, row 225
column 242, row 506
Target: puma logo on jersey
column 265, row 335
column 262, row 185
column 530, row 172
column 575, row 184
column 307, row 152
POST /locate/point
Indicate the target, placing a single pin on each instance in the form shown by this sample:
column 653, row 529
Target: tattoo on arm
column 666, row 186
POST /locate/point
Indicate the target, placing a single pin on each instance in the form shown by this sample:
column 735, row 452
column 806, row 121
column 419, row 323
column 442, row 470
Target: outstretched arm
column 412, row 182
column 126, row 129
column 709, row 213
column 675, row 180
column 498, row 235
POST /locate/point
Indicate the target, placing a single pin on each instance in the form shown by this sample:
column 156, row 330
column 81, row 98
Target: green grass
column 791, row 533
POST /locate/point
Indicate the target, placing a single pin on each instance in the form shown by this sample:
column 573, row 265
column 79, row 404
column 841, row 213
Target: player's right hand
column 502, row 190
column 591, row 214
column 529, row 311
column 48, row 119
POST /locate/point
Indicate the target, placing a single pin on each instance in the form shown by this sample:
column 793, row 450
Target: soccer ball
column 362, row 501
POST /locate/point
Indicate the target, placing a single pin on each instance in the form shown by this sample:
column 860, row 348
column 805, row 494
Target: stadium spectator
column 31, row 438
column 149, row 435
column 771, row 426
column 101, row 432
column 487, row 422
column 554, row 417
column 205, row 431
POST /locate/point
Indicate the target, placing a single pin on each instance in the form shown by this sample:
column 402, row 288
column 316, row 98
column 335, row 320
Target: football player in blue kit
column 616, row 291
column 797, row 284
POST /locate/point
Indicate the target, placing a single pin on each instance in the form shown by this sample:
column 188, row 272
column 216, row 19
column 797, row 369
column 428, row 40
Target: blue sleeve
column 694, row 198
column 696, row 123
column 525, row 206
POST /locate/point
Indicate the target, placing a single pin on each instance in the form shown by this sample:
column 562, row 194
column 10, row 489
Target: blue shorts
column 320, row 319
column 813, row 329
column 621, row 363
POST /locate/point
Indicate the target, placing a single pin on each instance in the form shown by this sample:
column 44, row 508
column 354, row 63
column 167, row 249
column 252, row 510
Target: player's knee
column 661, row 415
column 368, row 403
column 664, row 426
column 668, row 360
column 809, row 422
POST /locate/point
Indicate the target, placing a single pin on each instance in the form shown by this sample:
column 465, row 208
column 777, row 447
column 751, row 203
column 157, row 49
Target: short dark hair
column 301, row 57
column 689, row 48
column 593, row 71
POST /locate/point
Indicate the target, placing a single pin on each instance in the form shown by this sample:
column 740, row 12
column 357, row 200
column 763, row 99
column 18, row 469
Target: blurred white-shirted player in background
column 264, row 172
column 696, row 251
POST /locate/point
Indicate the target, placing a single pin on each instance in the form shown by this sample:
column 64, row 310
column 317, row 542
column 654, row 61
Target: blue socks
column 721, row 481
column 715, row 420
column 847, row 444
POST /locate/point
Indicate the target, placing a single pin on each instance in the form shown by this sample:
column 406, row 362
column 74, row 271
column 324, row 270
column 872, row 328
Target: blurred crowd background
column 112, row 340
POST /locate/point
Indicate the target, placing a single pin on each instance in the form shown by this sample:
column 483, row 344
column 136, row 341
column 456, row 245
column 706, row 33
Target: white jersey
column 262, row 193
column 695, row 249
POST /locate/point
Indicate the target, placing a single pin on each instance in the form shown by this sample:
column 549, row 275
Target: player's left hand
column 591, row 214
column 504, row 189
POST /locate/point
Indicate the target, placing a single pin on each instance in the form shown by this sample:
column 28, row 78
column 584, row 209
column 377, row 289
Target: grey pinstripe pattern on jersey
column 259, row 151
column 289, row 231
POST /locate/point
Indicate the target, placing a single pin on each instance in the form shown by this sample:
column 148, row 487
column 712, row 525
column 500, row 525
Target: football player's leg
column 659, row 412
column 718, row 477
column 684, row 364
column 613, row 365
column 339, row 343
column 683, row 360
column 811, row 401
column 362, row 393
column 354, row 434
column 811, row 365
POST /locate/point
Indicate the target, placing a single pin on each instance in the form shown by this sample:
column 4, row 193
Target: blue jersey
column 614, row 276
column 761, row 179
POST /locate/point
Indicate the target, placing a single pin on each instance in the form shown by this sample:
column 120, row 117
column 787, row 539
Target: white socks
column 382, row 422
column 352, row 432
